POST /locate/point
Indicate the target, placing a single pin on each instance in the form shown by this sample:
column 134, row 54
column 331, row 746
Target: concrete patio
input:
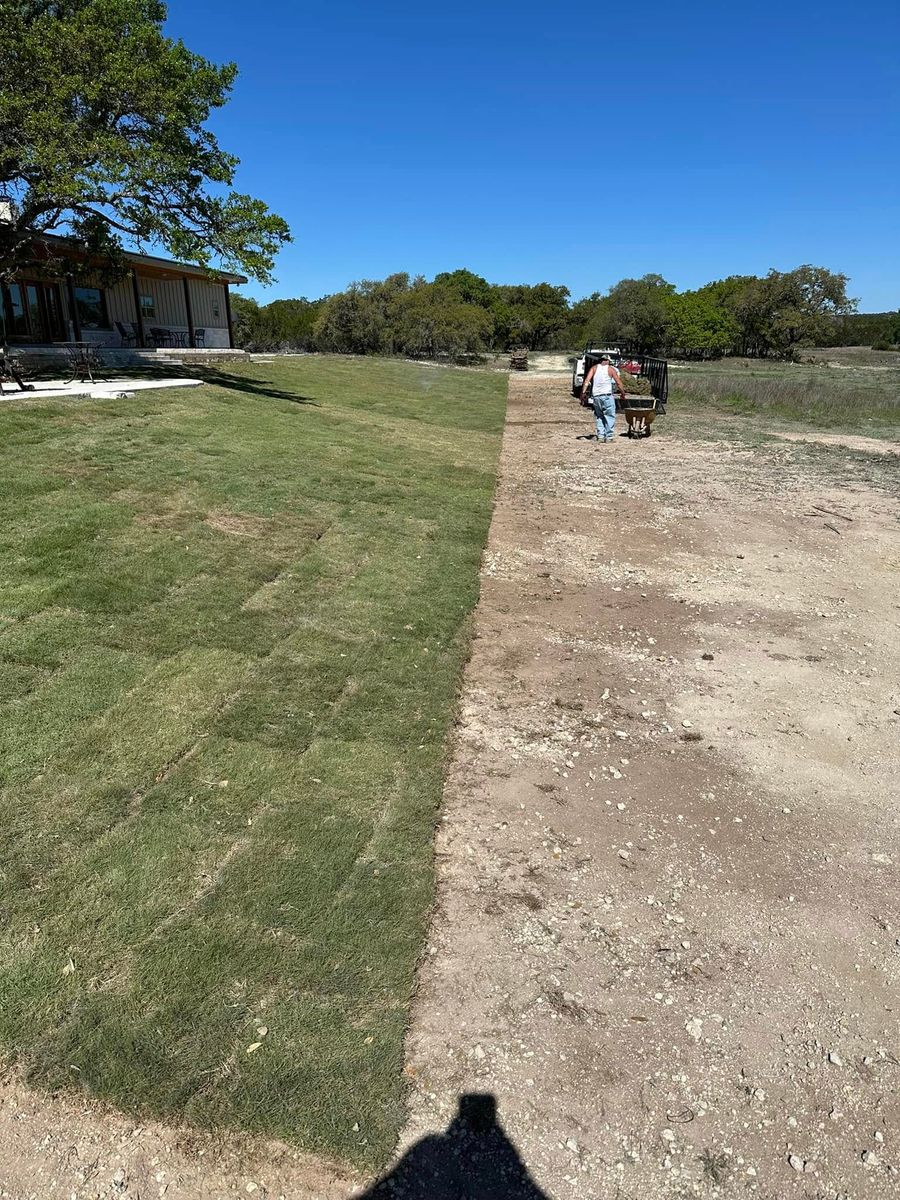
column 105, row 389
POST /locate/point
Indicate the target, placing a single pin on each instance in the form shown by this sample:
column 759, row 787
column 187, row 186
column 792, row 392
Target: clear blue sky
column 574, row 143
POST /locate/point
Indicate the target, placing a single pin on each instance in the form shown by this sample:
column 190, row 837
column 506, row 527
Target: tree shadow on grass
column 472, row 1160
column 255, row 387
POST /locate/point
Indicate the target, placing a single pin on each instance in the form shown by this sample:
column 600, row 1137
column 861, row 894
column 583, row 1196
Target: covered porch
column 157, row 304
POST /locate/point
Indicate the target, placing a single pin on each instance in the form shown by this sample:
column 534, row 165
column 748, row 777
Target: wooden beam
column 192, row 336
column 138, row 314
column 73, row 308
column 228, row 315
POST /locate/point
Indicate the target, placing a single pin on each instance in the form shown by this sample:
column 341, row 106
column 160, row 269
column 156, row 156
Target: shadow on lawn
column 473, row 1158
column 257, row 387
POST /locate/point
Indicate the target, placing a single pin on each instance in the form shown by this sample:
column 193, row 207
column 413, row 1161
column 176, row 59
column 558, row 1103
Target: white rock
column 796, row 1162
column 870, row 1158
column 694, row 1028
column 835, row 1059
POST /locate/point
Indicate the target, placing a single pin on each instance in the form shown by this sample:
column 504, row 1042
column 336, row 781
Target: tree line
column 460, row 316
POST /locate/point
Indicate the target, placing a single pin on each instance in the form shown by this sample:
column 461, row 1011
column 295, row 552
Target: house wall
column 120, row 301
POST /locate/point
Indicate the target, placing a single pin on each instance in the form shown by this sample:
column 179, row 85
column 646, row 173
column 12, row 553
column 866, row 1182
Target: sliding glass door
column 33, row 312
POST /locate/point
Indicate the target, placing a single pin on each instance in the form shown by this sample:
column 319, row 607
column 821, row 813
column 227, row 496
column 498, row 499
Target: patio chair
column 128, row 334
column 200, row 339
column 160, row 336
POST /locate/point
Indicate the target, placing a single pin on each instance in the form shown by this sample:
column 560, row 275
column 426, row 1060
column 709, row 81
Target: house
column 156, row 303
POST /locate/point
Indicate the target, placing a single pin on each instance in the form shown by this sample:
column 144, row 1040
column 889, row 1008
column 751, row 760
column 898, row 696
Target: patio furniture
column 128, row 333
column 12, row 371
column 161, row 337
column 85, row 360
column 200, row 339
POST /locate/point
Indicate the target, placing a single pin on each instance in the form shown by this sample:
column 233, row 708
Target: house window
column 215, row 306
column 15, row 311
column 91, row 305
column 148, row 306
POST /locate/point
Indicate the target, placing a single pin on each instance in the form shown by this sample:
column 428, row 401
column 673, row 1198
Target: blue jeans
column 605, row 412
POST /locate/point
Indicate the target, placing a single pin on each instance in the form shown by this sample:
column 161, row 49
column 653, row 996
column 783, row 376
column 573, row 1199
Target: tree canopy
column 103, row 138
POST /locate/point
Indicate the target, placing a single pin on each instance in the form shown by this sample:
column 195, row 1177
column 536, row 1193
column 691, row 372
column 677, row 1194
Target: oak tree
column 103, row 139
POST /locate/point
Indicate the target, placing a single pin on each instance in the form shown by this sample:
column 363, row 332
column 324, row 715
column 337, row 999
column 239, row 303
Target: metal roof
column 152, row 261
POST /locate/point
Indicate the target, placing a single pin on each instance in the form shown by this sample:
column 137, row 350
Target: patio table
column 84, row 359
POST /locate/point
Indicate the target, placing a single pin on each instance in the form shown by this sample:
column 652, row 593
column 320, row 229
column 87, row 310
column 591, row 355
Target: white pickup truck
column 582, row 365
column 633, row 364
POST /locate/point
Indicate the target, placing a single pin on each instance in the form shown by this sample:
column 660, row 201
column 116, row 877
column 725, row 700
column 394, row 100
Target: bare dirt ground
column 668, row 929
column 668, row 936
column 57, row 1147
column 850, row 441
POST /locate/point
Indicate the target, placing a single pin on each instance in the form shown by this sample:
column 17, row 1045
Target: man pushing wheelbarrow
column 641, row 395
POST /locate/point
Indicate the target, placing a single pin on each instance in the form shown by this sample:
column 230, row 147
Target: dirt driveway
column 668, row 937
column 668, row 931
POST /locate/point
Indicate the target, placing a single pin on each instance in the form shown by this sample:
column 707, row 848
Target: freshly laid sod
column 232, row 621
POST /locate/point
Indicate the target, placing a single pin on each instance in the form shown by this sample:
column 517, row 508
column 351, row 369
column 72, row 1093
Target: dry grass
column 864, row 399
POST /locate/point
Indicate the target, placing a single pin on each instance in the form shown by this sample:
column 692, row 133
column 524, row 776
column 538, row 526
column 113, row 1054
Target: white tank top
column 603, row 384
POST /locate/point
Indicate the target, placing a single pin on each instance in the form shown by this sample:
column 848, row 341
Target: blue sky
column 574, row 143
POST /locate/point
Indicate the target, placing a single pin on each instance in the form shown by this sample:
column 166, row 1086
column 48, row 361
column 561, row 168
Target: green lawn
column 232, row 622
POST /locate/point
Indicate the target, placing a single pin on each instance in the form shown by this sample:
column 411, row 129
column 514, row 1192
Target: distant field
column 853, row 395
column 232, row 622
column 855, row 356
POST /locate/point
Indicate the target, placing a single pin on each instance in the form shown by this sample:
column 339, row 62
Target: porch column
column 138, row 315
column 73, row 308
column 228, row 316
column 192, row 336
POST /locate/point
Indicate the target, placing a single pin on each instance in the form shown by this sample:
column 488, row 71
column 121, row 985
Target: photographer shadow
column 472, row 1160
